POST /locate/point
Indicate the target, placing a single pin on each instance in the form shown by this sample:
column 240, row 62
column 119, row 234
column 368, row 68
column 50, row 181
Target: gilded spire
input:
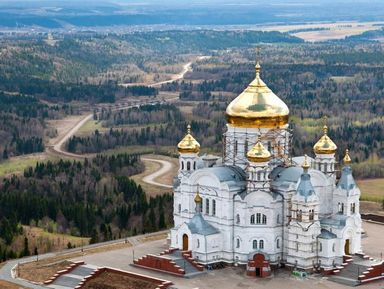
column 258, row 154
column 188, row 144
column 306, row 164
column 347, row 159
column 325, row 145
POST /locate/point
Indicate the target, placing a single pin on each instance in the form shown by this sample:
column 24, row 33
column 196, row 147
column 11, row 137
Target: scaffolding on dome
column 281, row 151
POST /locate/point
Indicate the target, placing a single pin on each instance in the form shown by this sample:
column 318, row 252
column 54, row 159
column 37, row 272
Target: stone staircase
column 358, row 270
column 173, row 262
column 73, row 278
column 185, row 261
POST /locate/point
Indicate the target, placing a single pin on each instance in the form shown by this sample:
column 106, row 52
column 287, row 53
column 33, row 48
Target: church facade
column 258, row 205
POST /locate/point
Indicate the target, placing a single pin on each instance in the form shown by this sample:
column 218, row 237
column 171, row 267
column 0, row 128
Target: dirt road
column 165, row 168
column 186, row 68
column 58, row 147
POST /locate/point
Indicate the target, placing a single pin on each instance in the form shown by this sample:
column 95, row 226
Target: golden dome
column 188, row 144
column 347, row 159
column 325, row 145
column 257, row 106
column 198, row 199
column 258, row 154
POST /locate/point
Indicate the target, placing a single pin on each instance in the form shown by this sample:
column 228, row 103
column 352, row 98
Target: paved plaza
column 233, row 277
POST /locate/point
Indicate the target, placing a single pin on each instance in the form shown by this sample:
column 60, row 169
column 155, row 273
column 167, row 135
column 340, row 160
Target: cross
column 325, row 120
column 258, row 49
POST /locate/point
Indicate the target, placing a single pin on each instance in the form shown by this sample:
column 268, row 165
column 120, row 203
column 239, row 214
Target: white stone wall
column 302, row 244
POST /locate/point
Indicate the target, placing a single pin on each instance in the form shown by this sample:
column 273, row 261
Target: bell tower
column 188, row 149
column 325, row 150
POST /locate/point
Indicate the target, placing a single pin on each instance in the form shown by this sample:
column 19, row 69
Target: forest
column 94, row 198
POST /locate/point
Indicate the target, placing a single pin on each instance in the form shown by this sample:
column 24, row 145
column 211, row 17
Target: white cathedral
column 259, row 206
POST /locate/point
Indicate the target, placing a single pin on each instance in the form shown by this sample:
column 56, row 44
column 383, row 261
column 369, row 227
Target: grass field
column 90, row 126
column 372, row 189
column 47, row 242
column 18, row 164
column 326, row 31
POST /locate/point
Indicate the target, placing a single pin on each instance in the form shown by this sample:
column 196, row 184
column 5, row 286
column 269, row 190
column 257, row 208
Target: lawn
column 47, row 242
column 372, row 189
column 18, row 164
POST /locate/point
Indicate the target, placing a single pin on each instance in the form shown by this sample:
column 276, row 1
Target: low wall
column 159, row 263
column 161, row 284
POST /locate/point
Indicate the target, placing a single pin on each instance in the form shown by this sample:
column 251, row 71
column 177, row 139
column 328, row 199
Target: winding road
column 166, row 166
column 58, row 147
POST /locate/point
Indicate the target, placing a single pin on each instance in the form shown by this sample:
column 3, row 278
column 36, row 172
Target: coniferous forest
column 94, row 198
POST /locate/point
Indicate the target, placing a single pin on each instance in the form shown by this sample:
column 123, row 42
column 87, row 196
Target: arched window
column 237, row 219
column 179, row 208
column 258, row 176
column 182, row 165
column 261, row 244
column 320, row 247
column 194, row 165
column 278, row 218
column 297, row 246
column 258, row 218
column 188, row 166
column 311, row 215
column 339, row 207
column 254, row 244
column 235, row 149
column 198, row 243
column 213, row 207
column 207, row 207
column 252, row 219
column 264, row 219
column 300, row 215
column 278, row 243
column 353, row 208
column 342, row 208
column 237, row 243
column 333, row 247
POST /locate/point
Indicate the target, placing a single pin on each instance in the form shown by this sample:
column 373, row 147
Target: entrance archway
column 346, row 247
column 185, row 242
column 259, row 263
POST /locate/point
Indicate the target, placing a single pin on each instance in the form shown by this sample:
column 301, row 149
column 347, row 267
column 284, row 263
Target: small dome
column 325, row 145
column 305, row 164
column 188, row 144
column 198, row 199
column 258, row 154
column 347, row 159
column 257, row 106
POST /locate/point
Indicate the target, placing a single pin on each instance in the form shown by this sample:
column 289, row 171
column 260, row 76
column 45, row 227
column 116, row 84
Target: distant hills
column 73, row 14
